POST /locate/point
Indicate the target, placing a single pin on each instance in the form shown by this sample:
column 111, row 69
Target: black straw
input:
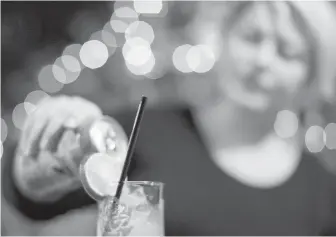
column 131, row 147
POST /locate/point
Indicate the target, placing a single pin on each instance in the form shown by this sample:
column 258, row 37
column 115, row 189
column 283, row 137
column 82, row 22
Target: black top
column 199, row 198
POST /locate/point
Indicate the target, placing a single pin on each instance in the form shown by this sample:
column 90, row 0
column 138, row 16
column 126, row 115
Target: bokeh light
column 160, row 67
column 66, row 69
column 286, row 124
column 47, row 81
column 136, row 51
column 118, row 26
column 126, row 12
column 1, row 150
column 179, row 58
column 121, row 18
column 107, row 38
column 148, row 7
column 96, row 36
column 200, row 58
column 93, row 54
column 4, row 130
column 58, row 71
column 119, row 37
column 71, row 63
column 193, row 58
column 20, row 114
column 120, row 4
column 315, row 139
column 140, row 29
column 207, row 33
column 330, row 131
column 144, row 69
column 72, row 50
column 33, row 98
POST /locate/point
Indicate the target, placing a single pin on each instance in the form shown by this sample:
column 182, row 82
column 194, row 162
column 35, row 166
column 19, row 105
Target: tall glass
column 138, row 212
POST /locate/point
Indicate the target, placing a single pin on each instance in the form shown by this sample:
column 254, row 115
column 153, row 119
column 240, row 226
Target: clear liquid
column 133, row 220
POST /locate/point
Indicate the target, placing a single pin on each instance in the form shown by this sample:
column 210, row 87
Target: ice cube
column 131, row 198
column 152, row 193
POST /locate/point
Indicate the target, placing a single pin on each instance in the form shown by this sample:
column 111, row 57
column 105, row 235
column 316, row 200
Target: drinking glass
column 138, row 212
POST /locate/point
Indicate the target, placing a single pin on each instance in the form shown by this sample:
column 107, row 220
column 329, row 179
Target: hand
column 44, row 128
column 45, row 166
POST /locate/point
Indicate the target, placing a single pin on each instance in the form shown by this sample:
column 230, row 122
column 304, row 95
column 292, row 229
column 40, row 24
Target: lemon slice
column 100, row 174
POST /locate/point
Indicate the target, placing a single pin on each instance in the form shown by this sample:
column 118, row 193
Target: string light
column 1, row 150
column 122, row 18
column 140, row 29
column 286, row 124
column 148, row 7
column 66, row 69
column 72, row 50
column 20, row 114
column 33, row 98
column 144, row 69
column 93, row 54
column 315, row 139
column 47, row 81
column 179, row 58
column 136, row 51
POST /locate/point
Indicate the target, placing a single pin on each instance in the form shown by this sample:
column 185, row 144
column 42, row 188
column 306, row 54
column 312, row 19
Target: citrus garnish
column 100, row 174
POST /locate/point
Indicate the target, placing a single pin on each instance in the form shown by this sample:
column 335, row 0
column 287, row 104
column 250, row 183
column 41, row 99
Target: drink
column 126, row 208
column 139, row 212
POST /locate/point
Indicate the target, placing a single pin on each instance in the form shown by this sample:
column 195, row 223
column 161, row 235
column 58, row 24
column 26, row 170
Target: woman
column 227, row 172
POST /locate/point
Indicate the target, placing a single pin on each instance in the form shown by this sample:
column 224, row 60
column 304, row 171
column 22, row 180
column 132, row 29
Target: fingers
column 34, row 134
column 26, row 131
column 44, row 128
column 91, row 109
column 52, row 134
column 33, row 126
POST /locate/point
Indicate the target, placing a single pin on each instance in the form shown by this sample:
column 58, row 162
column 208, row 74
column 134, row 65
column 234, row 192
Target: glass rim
column 148, row 183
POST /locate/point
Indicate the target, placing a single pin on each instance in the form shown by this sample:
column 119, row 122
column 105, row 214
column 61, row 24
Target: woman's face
column 263, row 63
column 268, row 57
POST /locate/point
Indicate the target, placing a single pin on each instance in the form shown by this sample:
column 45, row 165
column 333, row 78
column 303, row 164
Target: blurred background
column 78, row 48
column 113, row 52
